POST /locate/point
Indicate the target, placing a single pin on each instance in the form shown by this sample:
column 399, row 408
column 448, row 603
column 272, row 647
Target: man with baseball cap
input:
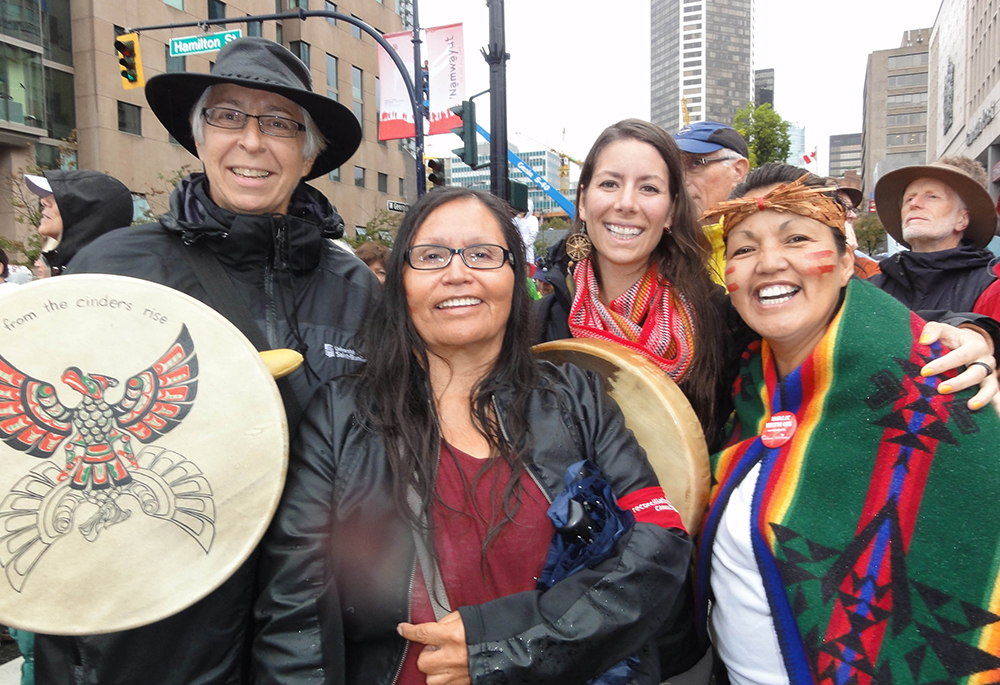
column 946, row 218
column 251, row 239
column 715, row 161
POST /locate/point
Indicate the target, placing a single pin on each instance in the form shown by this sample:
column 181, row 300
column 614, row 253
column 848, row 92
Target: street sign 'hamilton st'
column 194, row 45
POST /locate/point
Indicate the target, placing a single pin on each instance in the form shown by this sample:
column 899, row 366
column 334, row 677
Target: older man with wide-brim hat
column 250, row 238
column 946, row 218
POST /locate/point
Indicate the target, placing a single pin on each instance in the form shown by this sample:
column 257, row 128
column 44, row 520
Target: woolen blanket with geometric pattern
column 876, row 526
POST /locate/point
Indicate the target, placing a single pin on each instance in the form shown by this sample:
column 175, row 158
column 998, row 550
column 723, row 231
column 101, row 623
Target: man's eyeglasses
column 698, row 164
column 484, row 256
column 280, row 127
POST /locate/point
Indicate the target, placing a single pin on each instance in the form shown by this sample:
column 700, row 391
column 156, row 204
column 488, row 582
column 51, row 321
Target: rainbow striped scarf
column 876, row 527
column 652, row 317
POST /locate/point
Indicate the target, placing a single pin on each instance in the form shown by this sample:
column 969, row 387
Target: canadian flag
column 810, row 156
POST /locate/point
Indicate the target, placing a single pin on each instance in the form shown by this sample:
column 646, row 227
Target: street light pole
column 418, row 119
column 497, row 58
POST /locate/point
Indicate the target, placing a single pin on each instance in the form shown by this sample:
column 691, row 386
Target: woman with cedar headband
column 840, row 545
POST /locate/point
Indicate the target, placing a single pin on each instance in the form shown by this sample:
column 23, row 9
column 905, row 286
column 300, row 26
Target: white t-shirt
column 742, row 628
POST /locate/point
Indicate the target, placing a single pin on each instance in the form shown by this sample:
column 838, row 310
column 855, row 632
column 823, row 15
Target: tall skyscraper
column 796, row 145
column 763, row 87
column 845, row 153
column 701, row 59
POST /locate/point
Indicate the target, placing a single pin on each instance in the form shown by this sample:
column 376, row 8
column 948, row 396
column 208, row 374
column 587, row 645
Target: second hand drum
column 657, row 413
column 143, row 452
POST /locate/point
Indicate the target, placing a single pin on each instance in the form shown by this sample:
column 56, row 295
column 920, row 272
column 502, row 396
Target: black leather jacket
column 339, row 559
column 273, row 261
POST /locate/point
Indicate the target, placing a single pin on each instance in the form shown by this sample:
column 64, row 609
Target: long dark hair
column 681, row 257
column 394, row 396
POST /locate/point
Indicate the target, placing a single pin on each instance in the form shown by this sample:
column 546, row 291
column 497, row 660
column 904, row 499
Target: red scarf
column 651, row 317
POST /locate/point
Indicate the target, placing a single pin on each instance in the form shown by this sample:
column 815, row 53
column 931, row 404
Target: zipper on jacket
column 409, row 616
column 506, row 436
column 270, row 311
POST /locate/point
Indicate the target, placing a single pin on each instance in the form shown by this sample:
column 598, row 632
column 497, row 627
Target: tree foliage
column 870, row 233
column 766, row 134
column 381, row 228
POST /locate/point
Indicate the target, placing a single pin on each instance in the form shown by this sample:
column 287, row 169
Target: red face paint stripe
column 820, row 254
column 826, row 268
column 732, row 287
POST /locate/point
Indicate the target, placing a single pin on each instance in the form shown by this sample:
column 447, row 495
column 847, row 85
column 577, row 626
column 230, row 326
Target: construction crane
column 564, row 160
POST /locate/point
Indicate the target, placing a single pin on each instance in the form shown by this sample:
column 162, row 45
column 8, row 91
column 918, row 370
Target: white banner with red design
column 446, row 66
column 395, row 109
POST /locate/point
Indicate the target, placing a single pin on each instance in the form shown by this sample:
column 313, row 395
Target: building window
column 255, row 28
column 56, row 30
column 356, row 30
column 402, row 190
column 383, row 182
column 279, row 34
column 906, row 80
column 331, row 7
column 61, row 110
column 359, row 176
column 216, row 9
column 335, row 175
column 378, row 112
column 22, row 89
column 904, row 61
column 178, row 4
column 129, row 118
column 300, row 49
column 332, row 87
column 297, row 4
column 175, row 65
column 916, row 138
column 357, row 95
column 906, row 99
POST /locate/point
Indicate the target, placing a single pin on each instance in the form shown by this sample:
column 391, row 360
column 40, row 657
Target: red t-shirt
column 514, row 559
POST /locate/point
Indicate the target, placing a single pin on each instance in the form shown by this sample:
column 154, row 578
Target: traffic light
column 519, row 196
column 435, row 173
column 469, row 152
column 127, row 47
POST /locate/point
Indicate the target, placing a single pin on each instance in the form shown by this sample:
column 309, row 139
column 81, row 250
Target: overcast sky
column 581, row 65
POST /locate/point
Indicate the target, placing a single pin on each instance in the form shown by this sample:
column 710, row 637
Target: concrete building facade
column 845, row 154
column 964, row 89
column 59, row 73
column 701, row 60
column 894, row 132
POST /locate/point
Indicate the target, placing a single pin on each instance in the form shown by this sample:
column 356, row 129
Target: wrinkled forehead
column 926, row 184
column 251, row 100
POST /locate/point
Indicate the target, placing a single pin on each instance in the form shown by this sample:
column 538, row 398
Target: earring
column 578, row 245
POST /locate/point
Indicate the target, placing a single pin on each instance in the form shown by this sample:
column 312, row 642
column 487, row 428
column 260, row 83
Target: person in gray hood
column 78, row 207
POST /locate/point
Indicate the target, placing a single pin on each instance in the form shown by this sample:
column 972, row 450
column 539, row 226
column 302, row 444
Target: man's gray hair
column 314, row 143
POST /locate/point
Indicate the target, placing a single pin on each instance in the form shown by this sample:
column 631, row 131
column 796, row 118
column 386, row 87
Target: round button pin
column 779, row 429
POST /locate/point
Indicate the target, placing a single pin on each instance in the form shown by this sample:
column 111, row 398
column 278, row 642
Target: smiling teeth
column 459, row 302
column 622, row 231
column 251, row 173
column 776, row 294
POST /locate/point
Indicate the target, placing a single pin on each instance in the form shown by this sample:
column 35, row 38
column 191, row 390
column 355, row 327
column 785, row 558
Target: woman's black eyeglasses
column 484, row 256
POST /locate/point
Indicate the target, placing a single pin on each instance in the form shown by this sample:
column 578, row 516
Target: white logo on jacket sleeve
column 342, row 353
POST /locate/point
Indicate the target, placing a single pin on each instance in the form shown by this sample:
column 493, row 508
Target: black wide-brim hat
column 889, row 199
column 263, row 65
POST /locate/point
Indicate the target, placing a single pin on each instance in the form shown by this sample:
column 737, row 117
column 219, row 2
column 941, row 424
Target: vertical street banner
column 446, row 66
column 395, row 110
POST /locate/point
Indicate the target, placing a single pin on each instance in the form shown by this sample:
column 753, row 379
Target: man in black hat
column 251, row 239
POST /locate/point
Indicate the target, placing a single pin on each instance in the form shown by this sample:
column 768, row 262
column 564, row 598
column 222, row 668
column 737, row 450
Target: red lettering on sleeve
column 650, row 505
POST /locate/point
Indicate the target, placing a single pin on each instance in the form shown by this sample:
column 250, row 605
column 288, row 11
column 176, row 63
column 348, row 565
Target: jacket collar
column 291, row 241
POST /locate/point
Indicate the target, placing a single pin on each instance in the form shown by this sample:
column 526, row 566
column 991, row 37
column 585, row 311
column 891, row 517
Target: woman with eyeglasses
column 427, row 532
column 637, row 262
